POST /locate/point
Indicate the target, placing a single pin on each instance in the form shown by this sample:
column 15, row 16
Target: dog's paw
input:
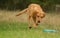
column 30, row 27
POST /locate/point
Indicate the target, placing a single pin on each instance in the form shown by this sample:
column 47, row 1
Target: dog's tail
column 23, row 11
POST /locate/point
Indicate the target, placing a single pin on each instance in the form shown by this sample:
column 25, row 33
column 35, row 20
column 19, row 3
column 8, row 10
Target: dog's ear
column 43, row 15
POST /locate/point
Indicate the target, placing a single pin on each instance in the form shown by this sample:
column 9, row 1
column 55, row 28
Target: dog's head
column 39, row 17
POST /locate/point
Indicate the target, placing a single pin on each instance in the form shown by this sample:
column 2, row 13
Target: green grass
column 17, row 27
column 20, row 30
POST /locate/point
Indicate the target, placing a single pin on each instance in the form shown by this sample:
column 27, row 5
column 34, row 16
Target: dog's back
column 35, row 7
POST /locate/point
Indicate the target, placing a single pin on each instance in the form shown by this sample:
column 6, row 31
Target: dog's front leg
column 34, row 22
column 29, row 24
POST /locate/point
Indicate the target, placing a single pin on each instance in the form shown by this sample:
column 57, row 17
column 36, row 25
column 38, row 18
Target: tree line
column 21, row 4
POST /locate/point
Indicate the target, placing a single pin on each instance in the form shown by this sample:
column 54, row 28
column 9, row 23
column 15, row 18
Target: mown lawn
column 20, row 30
column 17, row 27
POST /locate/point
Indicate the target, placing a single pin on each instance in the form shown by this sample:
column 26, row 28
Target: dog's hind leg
column 23, row 11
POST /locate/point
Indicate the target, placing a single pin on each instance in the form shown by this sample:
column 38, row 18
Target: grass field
column 17, row 27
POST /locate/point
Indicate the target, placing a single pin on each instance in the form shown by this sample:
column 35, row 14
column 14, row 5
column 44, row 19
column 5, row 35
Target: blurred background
column 17, row 27
column 47, row 5
column 9, row 9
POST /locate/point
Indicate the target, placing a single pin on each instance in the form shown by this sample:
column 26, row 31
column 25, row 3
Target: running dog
column 35, row 14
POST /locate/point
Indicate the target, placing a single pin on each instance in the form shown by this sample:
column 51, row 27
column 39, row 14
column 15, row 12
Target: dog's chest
column 34, row 14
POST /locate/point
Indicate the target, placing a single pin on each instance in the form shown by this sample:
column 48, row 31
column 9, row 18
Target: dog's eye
column 37, row 16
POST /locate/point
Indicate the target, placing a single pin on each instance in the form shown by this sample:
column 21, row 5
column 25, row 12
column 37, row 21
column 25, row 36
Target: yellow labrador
column 35, row 14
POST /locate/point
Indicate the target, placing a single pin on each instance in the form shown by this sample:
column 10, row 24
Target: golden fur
column 35, row 14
